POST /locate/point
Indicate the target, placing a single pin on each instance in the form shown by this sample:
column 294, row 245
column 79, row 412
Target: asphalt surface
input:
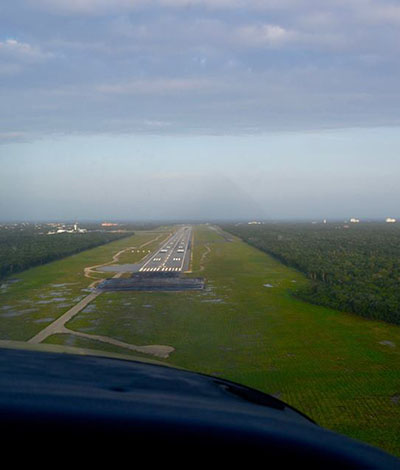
column 174, row 254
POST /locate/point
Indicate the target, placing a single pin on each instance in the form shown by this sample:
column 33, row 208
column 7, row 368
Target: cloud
column 318, row 11
column 264, row 35
column 16, row 55
column 133, row 65
column 16, row 136
column 106, row 6
column 381, row 13
column 157, row 86
column 22, row 51
column 8, row 70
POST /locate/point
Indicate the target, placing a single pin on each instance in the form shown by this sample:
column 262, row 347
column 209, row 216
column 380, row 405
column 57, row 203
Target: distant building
column 63, row 229
column 389, row 220
column 108, row 224
column 355, row 221
column 254, row 222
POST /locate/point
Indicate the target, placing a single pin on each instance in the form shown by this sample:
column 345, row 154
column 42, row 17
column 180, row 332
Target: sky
column 199, row 109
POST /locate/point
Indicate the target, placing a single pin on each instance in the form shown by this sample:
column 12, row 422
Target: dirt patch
column 157, row 350
column 203, row 256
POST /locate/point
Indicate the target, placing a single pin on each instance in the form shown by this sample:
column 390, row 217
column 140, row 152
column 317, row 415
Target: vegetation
column 340, row 369
column 354, row 268
column 41, row 294
column 22, row 246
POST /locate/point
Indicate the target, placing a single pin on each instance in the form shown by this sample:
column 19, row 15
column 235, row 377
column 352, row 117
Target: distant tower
column 75, row 226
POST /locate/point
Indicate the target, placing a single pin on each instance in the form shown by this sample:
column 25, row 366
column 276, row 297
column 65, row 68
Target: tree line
column 354, row 268
column 23, row 249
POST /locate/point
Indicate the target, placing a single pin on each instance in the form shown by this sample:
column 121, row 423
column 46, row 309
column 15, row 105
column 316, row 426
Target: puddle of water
column 44, row 320
column 6, row 284
column 11, row 314
column 268, row 285
column 214, row 301
column 395, row 399
column 90, row 308
column 17, row 313
column 50, row 301
column 29, row 310
column 147, row 306
column 388, row 343
column 52, row 294
column 64, row 284
column 88, row 329
column 70, row 340
column 64, row 305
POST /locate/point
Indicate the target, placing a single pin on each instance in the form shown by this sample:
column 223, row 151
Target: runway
column 173, row 255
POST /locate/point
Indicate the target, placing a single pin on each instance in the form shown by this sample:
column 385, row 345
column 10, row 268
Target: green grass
column 328, row 364
column 44, row 293
column 135, row 255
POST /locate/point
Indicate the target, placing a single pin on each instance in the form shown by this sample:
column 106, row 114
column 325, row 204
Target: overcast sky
column 127, row 109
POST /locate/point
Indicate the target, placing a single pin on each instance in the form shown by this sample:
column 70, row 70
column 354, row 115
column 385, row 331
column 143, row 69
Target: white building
column 389, row 220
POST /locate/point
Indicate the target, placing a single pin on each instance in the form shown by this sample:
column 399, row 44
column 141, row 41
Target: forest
column 351, row 267
column 23, row 246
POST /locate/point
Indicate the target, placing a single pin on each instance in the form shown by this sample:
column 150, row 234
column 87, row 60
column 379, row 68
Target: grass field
column 36, row 297
column 340, row 369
